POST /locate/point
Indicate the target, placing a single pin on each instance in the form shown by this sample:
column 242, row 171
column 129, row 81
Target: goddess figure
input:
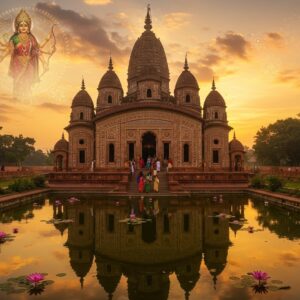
column 25, row 53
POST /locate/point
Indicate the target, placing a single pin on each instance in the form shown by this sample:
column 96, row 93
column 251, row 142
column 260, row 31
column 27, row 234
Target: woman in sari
column 25, row 54
column 156, row 184
column 141, row 184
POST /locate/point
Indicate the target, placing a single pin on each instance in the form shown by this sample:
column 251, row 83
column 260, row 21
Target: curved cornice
column 148, row 105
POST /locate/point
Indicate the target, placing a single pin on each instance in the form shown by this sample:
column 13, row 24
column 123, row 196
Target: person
column 132, row 166
column 25, row 53
column 141, row 163
column 156, row 184
column 147, row 185
column 141, row 184
column 169, row 166
column 158, row 165
column 148, row 164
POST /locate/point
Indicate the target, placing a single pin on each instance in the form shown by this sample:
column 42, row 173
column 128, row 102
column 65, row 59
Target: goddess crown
column 22, row 16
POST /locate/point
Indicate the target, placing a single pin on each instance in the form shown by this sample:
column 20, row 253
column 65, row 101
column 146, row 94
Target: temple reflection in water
column 173, row 240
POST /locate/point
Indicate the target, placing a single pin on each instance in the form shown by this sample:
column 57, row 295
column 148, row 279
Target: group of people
column 149, row 182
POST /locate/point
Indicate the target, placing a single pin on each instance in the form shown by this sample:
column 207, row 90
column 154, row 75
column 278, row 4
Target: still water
column 150, row 249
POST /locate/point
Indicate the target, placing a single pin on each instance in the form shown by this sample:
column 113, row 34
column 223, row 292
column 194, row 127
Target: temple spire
column 82, row 84
column 148, row 21
column 110, row 65
column 63, row 136
column 186, row 65
column 234, row 135
column 213, row 87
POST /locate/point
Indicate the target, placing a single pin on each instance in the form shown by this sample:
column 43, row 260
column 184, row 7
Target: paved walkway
column 278, row 196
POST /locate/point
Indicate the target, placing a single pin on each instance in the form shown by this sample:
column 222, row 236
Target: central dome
column 148, row 59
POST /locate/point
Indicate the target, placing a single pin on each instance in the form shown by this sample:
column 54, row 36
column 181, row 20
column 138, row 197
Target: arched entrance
column 148, row 145
column 59, row 163
column 237, row 163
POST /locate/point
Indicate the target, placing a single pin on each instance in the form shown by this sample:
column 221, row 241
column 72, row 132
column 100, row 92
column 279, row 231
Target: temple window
column 82, row 156
column 81, row 116
column 215, row 156
column 186, row 222
column 216, row 115
column 216, row 141
column 81, row 218
column 187, row 98
column 111, row 153
column 110, row 223
column 109, row 99
column 81, row 141
column 186, row 154
column 149, row 93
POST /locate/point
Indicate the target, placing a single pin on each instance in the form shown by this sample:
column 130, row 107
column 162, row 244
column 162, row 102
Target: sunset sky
column 251, row 47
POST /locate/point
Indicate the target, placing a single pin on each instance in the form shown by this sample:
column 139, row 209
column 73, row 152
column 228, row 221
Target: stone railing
column 193, row 179
column 105, row 180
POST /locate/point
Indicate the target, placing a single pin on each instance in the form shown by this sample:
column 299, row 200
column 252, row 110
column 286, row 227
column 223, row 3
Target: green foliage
column 39, row 158
column 279, row 143
column 22, row 184
column 257, row 182
column 14, row 149
column 39, row 180
column 2, row 191
column 274, row 183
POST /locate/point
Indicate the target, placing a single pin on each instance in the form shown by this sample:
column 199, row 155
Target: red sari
column 24, row 63
column 141, row 184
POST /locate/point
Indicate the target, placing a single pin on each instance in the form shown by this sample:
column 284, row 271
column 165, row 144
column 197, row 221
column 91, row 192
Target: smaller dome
column 82, row 98
column 235, row 145
column 110, row 79
column 186, row 78
column 214, row 98
column 62, row 145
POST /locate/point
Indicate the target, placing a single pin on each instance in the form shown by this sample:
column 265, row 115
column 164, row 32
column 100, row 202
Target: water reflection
column 172, row 241
column 157, row 240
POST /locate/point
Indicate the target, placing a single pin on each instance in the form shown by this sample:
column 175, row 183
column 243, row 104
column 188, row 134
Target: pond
column 164, row 248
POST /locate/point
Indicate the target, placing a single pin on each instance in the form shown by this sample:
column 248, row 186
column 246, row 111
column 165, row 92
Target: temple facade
column 148, row 120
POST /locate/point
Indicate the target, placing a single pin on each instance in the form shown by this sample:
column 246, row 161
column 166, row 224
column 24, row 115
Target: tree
column 279, row 143
column 21, row 148
column 39, row 158
column 14, row 149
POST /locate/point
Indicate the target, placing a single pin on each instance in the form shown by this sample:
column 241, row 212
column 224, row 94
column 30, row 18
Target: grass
column 5, row 182
column 292, row 185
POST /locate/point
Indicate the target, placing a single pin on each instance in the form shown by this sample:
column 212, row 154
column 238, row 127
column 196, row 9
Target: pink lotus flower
column 3, row 235
column 35, row 278
column 15, row 230
column 260, row 276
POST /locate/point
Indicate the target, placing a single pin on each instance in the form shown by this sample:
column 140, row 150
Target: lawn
column 295, row 185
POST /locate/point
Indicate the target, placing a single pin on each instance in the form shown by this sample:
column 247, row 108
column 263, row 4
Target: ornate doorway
column 148, row 145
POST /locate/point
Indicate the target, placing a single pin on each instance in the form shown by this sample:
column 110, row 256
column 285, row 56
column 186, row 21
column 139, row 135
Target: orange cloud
column 97, row 2
column 234, row 44
column 176, row 20
column 291, row 76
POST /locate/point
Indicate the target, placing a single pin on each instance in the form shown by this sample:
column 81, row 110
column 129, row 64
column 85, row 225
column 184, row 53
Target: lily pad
column 239, row 286
column 61, row 274
column 273, row 288
column 44, row 274
column 234, row 278
column 275, row 281
column 47, row 282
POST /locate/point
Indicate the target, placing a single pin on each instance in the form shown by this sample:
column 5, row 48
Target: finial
column 82, row 84
column 148, row 21
column 213, row 84
column 81, row 282
column 186, row 65
column 110, row 65
column 187, row 295
column 215, row 282
column 63, row 136
column 234, row 135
